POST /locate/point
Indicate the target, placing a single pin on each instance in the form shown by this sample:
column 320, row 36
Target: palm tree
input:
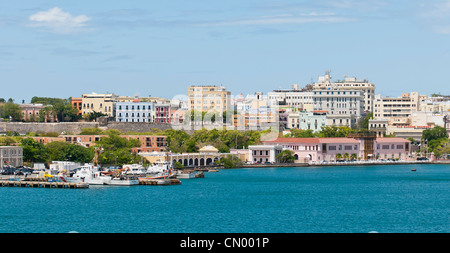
column 338, row 156
column 346, row 156
column 353, row 156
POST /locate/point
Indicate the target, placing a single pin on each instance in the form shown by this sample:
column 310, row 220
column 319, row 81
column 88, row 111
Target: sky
column 65, row 48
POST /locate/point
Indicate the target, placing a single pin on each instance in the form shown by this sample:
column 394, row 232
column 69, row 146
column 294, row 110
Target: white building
column 293, row 98
column 349, row 83
column 135, row 111
column 11, row 155
column 343, row 107
column 264, row 153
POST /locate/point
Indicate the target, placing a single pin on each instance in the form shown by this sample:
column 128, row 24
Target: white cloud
column 58, row 21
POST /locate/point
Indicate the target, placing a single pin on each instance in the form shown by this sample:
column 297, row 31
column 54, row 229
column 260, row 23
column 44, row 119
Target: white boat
column 123, row 181
column 158, row 170
column 185, row 174
column 87, row 173
column 133, row 169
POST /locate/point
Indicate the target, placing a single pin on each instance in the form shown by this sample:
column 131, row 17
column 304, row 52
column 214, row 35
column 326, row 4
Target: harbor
column 345, row 199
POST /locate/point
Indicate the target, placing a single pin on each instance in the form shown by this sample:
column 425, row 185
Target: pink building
column 345, row 148
column 30, row 112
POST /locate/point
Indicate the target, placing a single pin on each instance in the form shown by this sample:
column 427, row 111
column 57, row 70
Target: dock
column 169, row 181
column 42, row 184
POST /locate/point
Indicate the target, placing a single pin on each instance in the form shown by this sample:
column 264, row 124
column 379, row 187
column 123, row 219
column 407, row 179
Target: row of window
column 138, row 107
column 337, row 92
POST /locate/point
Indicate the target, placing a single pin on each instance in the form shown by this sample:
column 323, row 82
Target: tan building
column 209, row 98
column 396, row 110
column 104, row 103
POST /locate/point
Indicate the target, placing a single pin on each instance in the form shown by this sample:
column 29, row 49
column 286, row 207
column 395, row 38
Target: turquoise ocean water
column 356, row 199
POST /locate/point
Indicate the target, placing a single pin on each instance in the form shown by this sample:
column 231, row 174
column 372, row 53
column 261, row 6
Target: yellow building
column 104, row 103
column 209, row 98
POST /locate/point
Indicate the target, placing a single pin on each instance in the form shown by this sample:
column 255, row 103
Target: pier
column 42, row 184
column 171, row 181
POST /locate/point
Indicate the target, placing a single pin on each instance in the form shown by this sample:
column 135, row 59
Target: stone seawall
column 76, row 127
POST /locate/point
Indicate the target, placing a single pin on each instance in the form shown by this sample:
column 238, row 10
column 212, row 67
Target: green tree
column 231, row 162
column 92, row 116
column 63, row 151
column 286, row 156
column 300, row 133
column 11, row 111
column 91, row 131
column 178, row 165
column 60, row 108
column 334, row 131
column 434, row 133
column 33, row 151
column 363, row 123
column 117, row 150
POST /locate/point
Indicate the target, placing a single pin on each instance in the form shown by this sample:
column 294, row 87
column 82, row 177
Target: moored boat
column 185, row 174
column 123, row 181
column 89, row 174
column 159, row 170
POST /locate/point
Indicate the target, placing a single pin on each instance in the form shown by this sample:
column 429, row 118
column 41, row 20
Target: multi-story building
column 349, row 83
column 135, row 111
column 255, row 113
column 294, row 98
column 378, row 127
column 149, row 143
column 342, row 107
column 351, row 148
column 396, row 110
column 142, row 99
column 264, row 153
column 30, row 112
column 314, row 120
column 78, row 104
column 11, row 155
column 104, row 103
column 209, row 98
column 162, row 113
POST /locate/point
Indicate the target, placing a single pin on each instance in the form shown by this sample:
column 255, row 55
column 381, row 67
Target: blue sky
column 67, row 48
